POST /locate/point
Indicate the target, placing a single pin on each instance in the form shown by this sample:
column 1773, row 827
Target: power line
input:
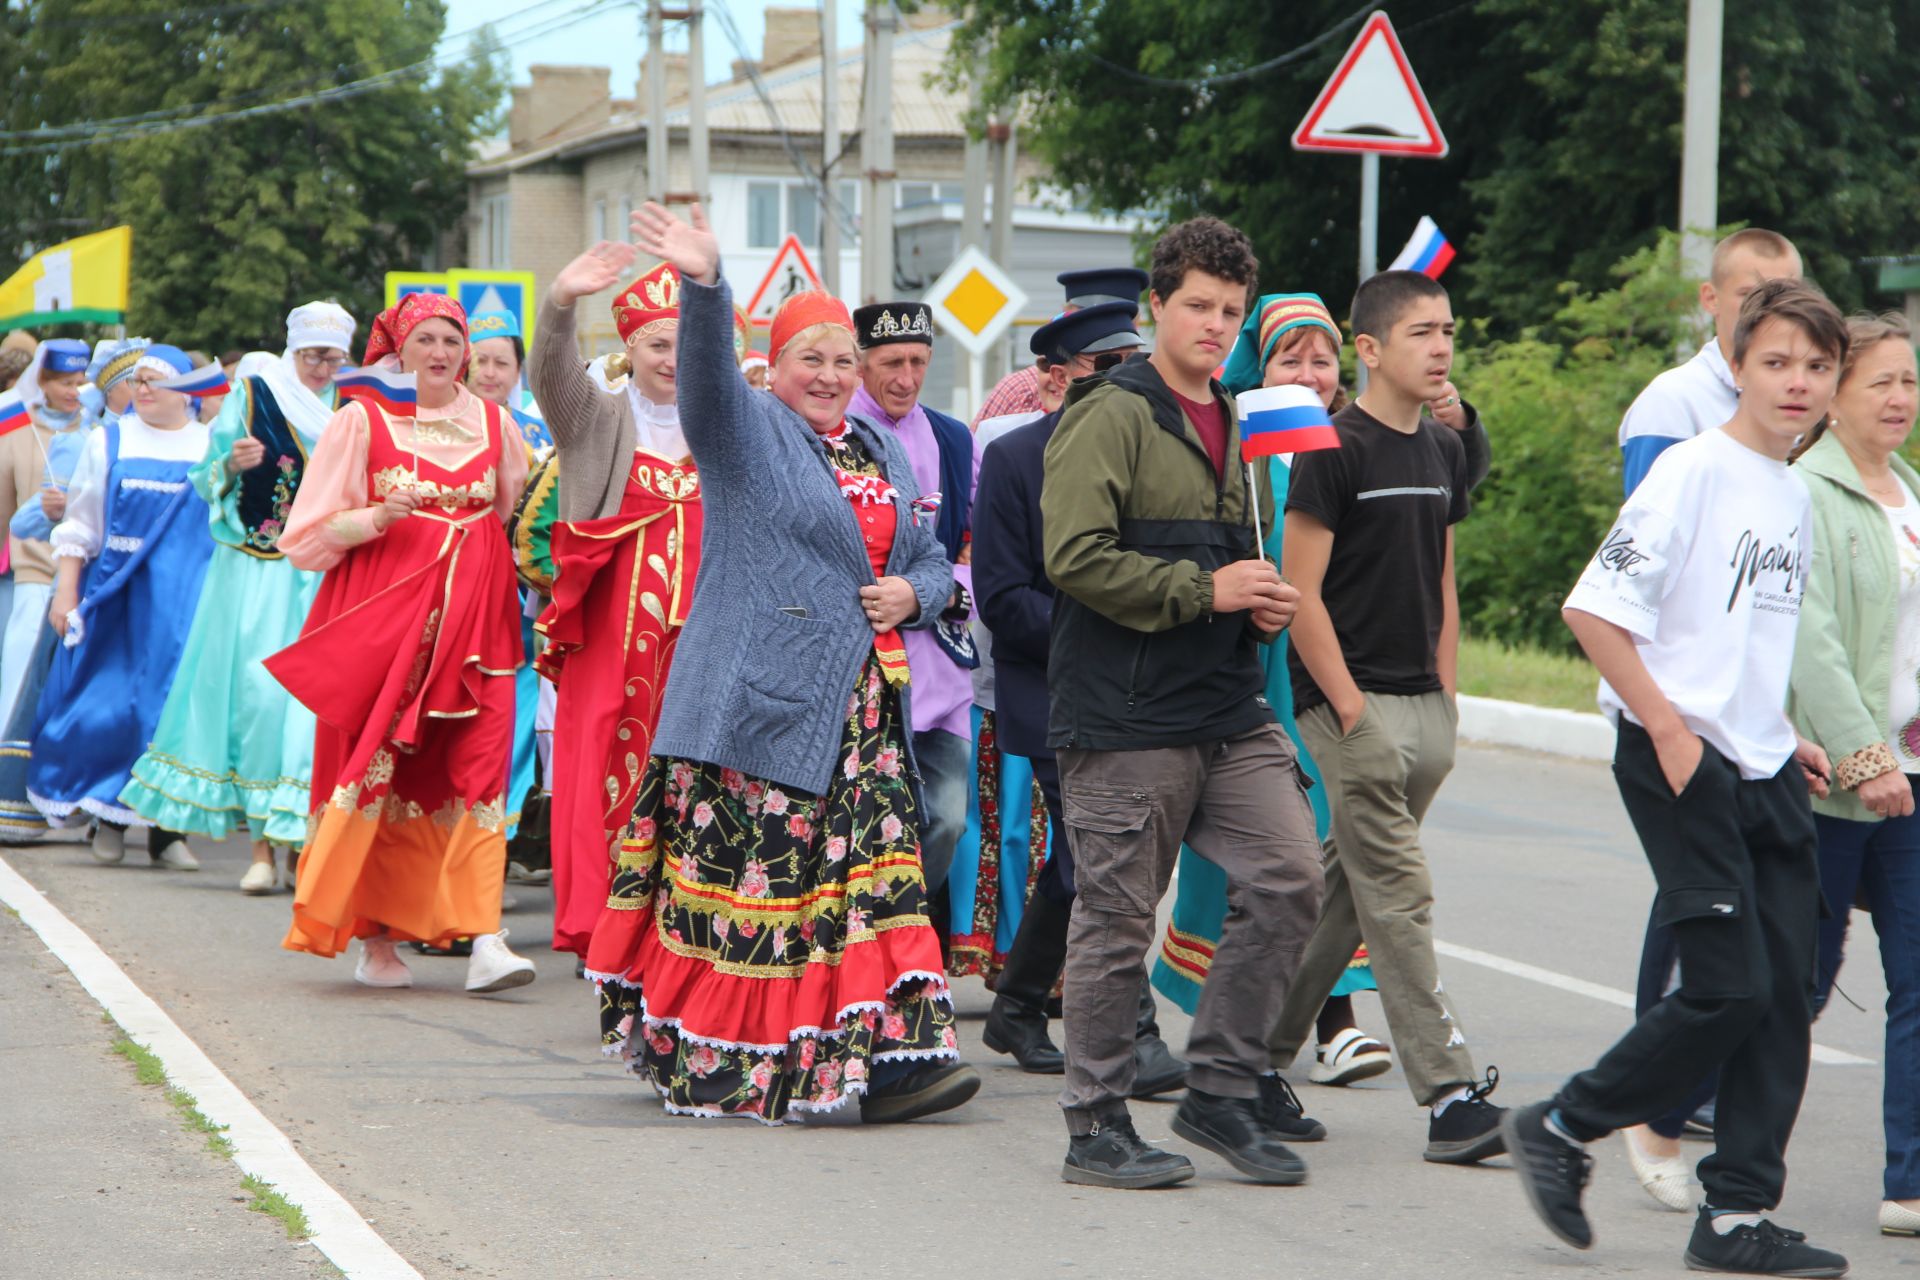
column 336, row 93
column 82, row 128
column 1246, row 73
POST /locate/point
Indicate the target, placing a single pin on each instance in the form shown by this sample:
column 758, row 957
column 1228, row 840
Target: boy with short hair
column 1162, row 729
column 1689, row 611
column 1369, row 543
column 1699, row 395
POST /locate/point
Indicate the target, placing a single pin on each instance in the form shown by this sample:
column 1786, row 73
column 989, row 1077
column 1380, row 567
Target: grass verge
column 270, row 1202
column 148, row 1070
column 1489, row 669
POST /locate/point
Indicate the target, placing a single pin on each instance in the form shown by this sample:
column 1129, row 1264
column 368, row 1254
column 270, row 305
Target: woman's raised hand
column 598, row 268
column 690, row 246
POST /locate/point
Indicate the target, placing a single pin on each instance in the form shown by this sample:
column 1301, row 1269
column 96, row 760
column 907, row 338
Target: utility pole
column 973, row 235
column 697, row 101
column 655, row 74
column 876, row 153
column 1001, row 153
column 829, row 145
column 1700, row 137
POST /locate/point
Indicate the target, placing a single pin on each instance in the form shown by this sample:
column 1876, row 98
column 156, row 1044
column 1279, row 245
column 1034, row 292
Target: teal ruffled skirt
column 233, row 750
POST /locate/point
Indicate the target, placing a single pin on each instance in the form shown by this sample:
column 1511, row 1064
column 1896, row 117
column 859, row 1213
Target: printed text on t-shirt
column 1751, row 559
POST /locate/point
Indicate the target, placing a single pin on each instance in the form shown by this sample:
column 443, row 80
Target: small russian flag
column 13, row 414
column 207, row 380
column 392, row 392
column 1283, row 420
column 1427, row 252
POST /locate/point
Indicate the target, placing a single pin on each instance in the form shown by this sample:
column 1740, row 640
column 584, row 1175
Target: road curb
column 259, row 1148
column 1583, row 735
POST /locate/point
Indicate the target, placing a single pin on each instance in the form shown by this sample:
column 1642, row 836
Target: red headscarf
column 802, row 311
column 391, row 327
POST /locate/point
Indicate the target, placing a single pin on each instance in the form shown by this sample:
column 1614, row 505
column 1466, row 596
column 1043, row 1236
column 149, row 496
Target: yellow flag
column 82, row 280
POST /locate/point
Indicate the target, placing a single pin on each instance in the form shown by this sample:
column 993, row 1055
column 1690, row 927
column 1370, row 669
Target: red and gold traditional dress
column 622, row 587
column 408, row 661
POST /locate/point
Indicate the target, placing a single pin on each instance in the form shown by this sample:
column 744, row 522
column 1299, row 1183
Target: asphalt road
column 488, row 1137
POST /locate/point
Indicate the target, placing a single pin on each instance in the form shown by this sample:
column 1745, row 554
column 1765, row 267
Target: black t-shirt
column 1389, row 499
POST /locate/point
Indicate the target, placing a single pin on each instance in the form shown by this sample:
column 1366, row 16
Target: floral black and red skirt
column 762, row 949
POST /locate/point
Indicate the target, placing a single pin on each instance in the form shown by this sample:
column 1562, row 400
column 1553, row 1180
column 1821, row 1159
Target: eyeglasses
column 1107, row 360
column 318, row 361
column 148, row 383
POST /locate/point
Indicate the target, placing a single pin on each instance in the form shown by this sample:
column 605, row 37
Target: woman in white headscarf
column 233, row 750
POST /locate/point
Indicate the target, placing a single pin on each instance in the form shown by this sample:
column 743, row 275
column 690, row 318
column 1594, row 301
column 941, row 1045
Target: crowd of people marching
column 817, row 697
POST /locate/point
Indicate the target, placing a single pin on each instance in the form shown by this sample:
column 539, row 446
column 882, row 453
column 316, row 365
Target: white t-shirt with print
column 1903, row 700
column 1704, row 567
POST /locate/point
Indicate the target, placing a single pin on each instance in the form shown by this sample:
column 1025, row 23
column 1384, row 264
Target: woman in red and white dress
column 408, row 660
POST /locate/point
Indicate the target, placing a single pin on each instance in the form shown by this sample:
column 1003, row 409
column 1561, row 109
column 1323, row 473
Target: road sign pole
column 1369, row 215
column 1700, row 136
column 1369, row 236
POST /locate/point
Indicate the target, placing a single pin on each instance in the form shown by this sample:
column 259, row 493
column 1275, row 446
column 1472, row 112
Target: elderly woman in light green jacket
column 1856, row 692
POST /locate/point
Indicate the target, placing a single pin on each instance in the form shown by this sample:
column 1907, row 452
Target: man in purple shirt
column 896, row 344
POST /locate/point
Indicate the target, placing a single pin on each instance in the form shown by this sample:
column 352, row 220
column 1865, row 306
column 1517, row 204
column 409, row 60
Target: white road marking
column 258, row 1147
column 1606, row 995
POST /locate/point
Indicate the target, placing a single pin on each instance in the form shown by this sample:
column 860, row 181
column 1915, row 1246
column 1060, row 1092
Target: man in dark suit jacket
column 1015, row 600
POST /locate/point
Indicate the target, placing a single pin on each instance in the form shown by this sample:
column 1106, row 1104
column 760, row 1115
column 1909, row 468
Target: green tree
column 238, row 220
column 1564, row 121
column 1553, row 408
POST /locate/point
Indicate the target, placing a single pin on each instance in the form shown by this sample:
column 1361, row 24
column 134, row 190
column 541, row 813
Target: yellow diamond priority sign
column 974, row 300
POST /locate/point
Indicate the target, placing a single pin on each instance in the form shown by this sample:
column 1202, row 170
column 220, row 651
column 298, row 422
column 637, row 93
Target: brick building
column 573, row 166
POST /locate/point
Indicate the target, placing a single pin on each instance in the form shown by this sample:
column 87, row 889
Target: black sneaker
column 1114, row 1156
column 1553, row 1171
column 1230, row 1127
column 1761, row 1249
column 1281, row 1112
column 1468, row 1131
column 1699, row 1124
column 924, row 1091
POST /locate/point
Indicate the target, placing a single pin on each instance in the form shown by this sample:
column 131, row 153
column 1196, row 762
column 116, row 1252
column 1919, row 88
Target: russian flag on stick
column 1283, row 420
column 1427, row 251
column 392, row 392
column 13, row 414
column 207, row 380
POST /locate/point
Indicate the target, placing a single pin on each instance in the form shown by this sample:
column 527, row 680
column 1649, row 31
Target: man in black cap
column 1019, row 391
column 896, row 345
column 1016, row 602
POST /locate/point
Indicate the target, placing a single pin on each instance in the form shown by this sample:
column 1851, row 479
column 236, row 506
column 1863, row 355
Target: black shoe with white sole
column 1553, row 1172
column 1114, row 1156
column 1468, row 1131
column 1231, row 1128
column 1759, row 1249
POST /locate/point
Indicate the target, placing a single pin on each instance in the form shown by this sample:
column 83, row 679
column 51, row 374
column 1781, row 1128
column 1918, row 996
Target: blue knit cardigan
column 776, row 636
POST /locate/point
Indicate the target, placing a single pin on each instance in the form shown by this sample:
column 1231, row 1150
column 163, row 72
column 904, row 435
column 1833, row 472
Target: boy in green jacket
column 1163, row 730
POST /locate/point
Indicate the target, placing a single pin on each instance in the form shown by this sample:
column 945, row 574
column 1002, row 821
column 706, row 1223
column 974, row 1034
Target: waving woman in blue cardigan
column 766, row 947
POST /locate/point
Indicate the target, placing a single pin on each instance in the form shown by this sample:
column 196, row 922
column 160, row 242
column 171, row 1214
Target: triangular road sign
column 792, row 272
column 1373, row 102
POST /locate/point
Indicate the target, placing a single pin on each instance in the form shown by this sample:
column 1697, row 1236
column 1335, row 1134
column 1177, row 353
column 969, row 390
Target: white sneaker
column 1351, row 1055
column 1898, row 1220
column 177, row 857
column 1668, row 1179
column 109, row 844
column 260, row 878
column 380, row 965
column 494, row 968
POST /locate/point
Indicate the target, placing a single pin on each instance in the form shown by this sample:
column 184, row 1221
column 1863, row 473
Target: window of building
column 600, row 219
column 912, row 193
column 497, row 230
column 803, row 214
column 763, row 215
column 622, row 231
